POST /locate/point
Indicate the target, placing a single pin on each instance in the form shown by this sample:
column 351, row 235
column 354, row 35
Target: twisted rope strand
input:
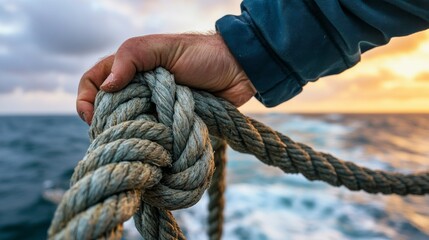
column 216, row 191
column 151, row 153
column 220, row 116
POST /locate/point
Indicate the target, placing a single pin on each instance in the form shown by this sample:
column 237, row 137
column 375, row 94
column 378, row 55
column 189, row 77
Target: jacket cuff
column 274, row 83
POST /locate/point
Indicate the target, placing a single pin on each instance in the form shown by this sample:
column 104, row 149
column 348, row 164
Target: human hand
column 198, row 61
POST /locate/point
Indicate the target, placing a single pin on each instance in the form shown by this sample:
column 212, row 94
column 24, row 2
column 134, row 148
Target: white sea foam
column 285, row 212
column 264, row 203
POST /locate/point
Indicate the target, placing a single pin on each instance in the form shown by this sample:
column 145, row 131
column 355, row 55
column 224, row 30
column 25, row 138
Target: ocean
column 38, row 155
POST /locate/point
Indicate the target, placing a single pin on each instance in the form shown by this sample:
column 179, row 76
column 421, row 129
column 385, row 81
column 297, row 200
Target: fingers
column 238, row 94
column 134, row 55
column 115, row 72
column 85, row 111
column 88, row 88
column 123, row 69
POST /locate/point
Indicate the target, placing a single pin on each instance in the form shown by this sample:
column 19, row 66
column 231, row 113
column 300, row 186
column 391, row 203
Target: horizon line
column 31, row 114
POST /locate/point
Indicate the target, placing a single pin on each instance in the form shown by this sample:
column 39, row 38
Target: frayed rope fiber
column 157, row 146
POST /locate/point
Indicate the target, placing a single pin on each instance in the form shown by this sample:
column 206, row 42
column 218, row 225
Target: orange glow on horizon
column 389, row 79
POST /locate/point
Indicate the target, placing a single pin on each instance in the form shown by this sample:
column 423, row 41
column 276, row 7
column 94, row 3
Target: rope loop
column 147, row 144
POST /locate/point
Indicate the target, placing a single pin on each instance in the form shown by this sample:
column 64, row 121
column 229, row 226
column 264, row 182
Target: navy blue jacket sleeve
column 284, row 44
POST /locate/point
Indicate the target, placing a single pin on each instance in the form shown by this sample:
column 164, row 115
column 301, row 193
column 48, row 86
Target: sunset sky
column 46, row 45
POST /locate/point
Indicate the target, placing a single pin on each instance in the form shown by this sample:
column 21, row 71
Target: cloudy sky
column 46, row 45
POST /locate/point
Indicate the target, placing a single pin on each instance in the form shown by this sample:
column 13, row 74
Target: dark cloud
column 26, row 82
column 73, row 26
column 6, row 15
column 27, row 58
column 28, row 67
column 49, row 44
column 38, row 81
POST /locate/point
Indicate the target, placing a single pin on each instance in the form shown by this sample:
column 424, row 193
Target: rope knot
column 147, row 139
column 150, row 153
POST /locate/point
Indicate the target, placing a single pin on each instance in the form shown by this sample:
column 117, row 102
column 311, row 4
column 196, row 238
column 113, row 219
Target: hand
column 198, row 61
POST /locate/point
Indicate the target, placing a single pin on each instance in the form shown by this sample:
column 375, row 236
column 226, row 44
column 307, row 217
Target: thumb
column 135, row 55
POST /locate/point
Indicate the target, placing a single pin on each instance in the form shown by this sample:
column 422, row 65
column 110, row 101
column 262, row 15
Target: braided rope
column 151, row 153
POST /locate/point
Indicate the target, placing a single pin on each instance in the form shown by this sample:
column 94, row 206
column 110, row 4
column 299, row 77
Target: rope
column 151, row 153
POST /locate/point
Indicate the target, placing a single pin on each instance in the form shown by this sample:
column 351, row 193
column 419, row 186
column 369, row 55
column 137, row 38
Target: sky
column 46, row 46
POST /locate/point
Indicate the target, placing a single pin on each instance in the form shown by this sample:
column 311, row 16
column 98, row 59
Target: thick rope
column 216, row 191
column 151, row 153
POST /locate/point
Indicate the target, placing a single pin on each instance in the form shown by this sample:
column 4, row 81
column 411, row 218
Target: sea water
column 38, row 155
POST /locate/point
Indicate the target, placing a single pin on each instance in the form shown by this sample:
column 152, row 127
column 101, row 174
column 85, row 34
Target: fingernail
column 109, row 82
column 82, row 116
